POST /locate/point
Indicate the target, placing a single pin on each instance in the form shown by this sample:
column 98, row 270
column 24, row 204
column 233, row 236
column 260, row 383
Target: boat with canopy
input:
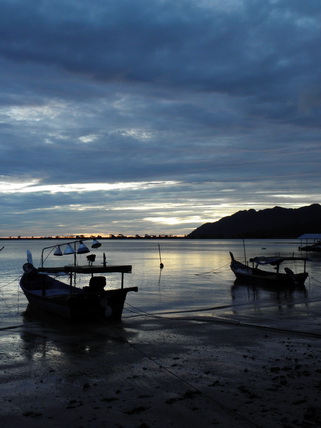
column 45, row 291
column 275, row 277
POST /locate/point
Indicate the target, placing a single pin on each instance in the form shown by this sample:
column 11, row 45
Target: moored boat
column 44, row 291
column 313, row 247
column 276, row 278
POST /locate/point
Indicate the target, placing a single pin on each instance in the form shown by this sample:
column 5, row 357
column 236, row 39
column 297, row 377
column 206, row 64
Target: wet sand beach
column 157, row 371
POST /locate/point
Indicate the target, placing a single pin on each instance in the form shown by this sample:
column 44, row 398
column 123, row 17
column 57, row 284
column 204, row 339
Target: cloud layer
column 156, row 117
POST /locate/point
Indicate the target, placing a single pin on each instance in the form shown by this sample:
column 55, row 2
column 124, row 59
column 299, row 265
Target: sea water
column 196, row 277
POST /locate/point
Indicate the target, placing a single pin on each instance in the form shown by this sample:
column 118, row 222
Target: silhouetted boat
column 47, row 293
column 313, row 247
column 276, row 278
column 312, row 242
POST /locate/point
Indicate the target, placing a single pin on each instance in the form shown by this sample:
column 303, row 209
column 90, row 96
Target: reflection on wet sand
column 157, row 371
column 262, row 296
column 46, row 335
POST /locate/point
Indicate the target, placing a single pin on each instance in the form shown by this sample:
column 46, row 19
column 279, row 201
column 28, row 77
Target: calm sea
column 196, row 278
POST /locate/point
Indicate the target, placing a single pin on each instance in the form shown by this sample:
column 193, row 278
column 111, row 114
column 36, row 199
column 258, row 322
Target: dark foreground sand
column 161, row 372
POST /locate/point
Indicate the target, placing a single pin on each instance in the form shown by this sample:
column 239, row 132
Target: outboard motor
column 97, row 284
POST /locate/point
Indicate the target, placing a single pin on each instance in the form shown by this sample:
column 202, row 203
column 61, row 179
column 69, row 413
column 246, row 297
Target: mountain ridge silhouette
column 274, row 222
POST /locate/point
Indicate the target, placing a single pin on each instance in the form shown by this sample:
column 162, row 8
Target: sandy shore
column 161, row 372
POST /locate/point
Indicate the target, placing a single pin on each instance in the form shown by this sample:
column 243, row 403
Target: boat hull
column 276, row 279
column 51, row 295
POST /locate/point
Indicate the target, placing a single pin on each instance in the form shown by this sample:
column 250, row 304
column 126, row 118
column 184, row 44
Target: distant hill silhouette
column 275, row 222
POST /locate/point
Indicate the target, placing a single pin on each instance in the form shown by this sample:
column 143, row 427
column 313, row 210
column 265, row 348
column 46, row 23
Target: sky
column 143, row 117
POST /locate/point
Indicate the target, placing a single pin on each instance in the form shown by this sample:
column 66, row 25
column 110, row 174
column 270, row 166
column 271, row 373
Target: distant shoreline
column 23, row 238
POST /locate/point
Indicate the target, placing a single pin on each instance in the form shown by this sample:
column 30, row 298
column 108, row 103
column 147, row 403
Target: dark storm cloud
column 239, row 51
column 221, row 98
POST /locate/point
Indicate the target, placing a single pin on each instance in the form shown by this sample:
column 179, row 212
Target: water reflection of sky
column 196, row 277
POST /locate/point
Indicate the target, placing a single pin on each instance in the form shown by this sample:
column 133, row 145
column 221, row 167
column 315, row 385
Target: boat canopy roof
column 275, row 261
column 310, row 236
column 87, row 269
